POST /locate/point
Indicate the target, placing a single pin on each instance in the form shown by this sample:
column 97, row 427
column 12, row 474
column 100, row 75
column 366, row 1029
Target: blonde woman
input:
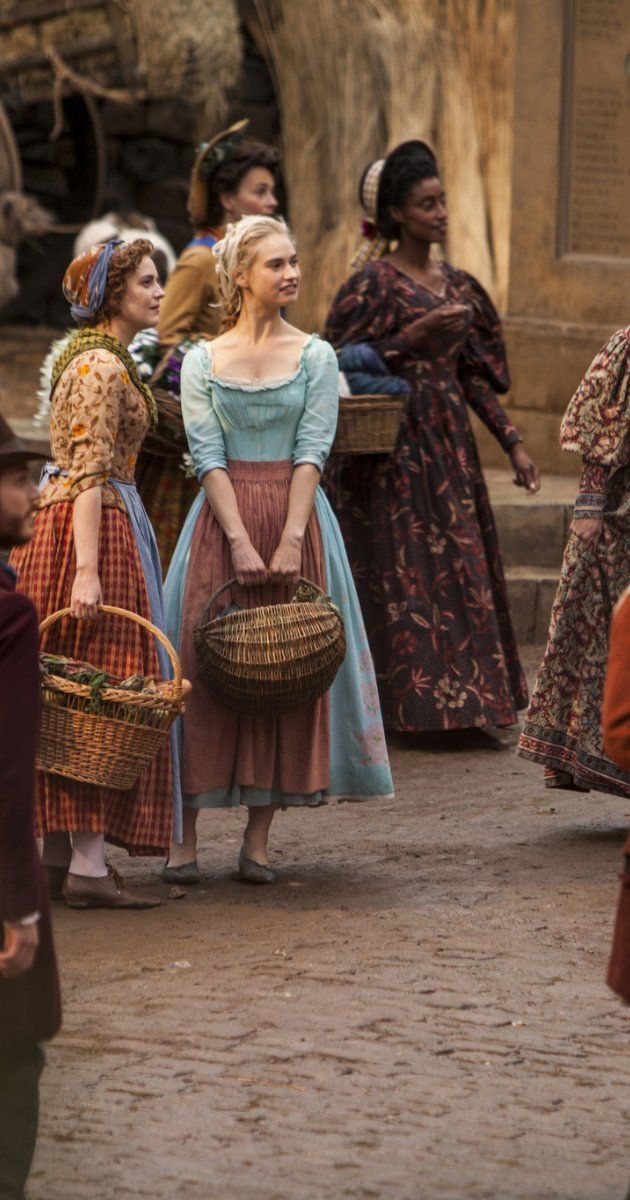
column 260, row 410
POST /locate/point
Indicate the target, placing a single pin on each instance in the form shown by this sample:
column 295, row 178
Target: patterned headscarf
column 373, row 245
column 85, row 281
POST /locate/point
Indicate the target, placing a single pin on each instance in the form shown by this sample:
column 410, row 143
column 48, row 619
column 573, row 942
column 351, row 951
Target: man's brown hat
column 13, row 451
column 210, row 155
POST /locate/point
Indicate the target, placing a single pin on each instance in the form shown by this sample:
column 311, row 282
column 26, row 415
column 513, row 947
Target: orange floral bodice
column 97, row 425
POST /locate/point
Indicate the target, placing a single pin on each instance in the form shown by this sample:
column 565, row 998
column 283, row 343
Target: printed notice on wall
column 595, row 197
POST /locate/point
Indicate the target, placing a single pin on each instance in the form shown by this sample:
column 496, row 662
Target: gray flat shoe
column 187, row 873
column 251, row 871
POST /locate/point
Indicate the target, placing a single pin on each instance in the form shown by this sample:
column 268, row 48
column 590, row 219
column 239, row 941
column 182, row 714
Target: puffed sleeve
column 318, row 422
column 596, row 423
column 201, row 421
column 482, row 367
column 95, row 396
column 365, row 310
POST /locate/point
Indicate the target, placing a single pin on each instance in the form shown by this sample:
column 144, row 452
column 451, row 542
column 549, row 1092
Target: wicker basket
column 110, row 747
column 169, row 439
column 272, row 659
column 368, row 424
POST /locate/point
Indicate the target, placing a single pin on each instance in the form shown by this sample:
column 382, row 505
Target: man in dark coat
column 29, row 990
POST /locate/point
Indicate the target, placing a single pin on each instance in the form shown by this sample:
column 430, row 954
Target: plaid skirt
column 140, row 820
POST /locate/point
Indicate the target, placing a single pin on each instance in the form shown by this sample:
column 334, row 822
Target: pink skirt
column 223, row 749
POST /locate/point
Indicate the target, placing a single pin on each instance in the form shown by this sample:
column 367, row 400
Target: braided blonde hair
column 236, row 252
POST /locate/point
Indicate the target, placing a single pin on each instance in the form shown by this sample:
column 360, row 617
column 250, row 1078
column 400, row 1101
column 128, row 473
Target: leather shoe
column 104, row 891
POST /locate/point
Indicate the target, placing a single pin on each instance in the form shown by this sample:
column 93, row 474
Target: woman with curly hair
column 93, row 545
column 233, row 176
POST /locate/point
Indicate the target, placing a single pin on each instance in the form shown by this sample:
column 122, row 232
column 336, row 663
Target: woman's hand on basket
column 86, row 594
column 248, row 565
column 286, row 564
column 587, row 529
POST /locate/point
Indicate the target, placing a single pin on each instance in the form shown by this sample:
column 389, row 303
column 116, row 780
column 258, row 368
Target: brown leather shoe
column 107, row 891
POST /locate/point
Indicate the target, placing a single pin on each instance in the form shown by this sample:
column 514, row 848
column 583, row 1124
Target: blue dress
column 259, row 433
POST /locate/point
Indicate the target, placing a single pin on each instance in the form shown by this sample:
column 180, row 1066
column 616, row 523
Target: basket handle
column 230, row 583
column 123, row 612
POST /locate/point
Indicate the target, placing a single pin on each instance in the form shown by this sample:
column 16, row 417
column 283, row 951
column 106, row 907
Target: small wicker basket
column 368, row 424
column 112, row 746
column 275, row 658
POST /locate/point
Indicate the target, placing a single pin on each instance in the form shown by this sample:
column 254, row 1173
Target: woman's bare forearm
column 86, row 527
column 304, row 484
column 246, row 561
column 222, row 500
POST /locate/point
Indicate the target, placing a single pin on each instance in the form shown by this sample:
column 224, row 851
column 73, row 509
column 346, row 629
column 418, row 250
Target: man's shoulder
column 17, row 613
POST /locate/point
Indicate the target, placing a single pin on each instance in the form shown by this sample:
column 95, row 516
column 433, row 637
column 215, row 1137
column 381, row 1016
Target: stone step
column 531, row 592
column 532, row 531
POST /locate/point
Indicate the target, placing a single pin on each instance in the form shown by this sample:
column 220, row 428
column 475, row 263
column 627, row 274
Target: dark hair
column 407, row 165
column 228, row 176
column 124, row 262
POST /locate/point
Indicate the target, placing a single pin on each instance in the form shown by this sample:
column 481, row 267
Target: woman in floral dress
column 418, row 524
column 93, row 545
column 563, row 726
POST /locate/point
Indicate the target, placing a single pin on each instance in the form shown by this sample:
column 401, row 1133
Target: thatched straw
column 490, row 39
column 354, row 78
column 178, row 49
column 188, row 49
column 459, row 147
column 408, row 97
column 326, row 65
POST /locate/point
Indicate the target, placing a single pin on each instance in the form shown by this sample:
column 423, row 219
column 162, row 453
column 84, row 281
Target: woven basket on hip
column 108, row 739
column 272, row 659
column 368, row 424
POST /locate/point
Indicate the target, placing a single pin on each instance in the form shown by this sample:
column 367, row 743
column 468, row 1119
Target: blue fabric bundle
column 367, row 373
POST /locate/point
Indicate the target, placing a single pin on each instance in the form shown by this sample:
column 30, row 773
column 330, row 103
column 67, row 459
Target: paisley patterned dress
column 563, row 726
column 418, row 524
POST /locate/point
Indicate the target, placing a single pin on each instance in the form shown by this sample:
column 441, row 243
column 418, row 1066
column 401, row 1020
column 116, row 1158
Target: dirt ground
column 417, row 1011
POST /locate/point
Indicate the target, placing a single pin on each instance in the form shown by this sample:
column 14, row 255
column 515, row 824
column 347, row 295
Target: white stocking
column 88, row 855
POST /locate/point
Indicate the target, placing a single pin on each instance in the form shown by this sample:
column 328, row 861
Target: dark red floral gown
column 418, row 524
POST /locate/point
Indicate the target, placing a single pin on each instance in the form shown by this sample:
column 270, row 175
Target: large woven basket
column 113, row 745
column 275, row 658
column 368, row 424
